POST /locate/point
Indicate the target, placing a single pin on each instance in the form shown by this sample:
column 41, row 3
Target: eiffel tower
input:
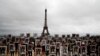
column 45, row 28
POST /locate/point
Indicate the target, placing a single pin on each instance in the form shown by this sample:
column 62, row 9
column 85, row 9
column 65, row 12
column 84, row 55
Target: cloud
column 67, row 16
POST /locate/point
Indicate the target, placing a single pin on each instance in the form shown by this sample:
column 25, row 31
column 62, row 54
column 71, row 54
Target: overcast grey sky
column 64, row 16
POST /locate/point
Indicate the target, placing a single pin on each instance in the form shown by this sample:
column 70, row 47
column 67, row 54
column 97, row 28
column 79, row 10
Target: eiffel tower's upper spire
column 45, row 17
column 45, row 28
